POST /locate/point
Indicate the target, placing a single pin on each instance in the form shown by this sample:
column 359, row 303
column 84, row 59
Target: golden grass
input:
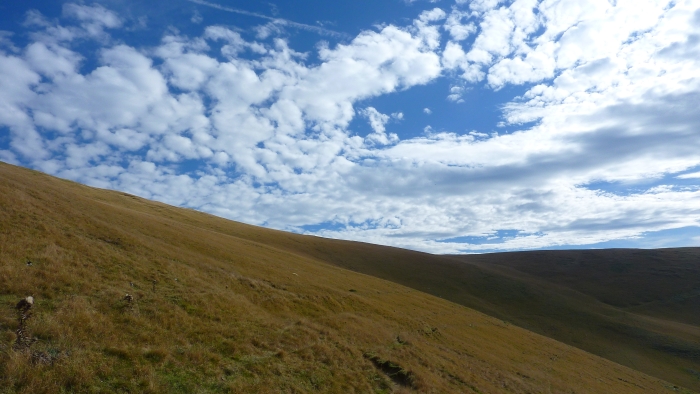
column 224, row 307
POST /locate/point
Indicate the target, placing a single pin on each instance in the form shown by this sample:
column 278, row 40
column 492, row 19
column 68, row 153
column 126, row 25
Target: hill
column 649, row 326
column 220, row 306
column 664, row 283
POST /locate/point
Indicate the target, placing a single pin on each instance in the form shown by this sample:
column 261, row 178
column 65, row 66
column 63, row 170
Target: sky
column 435, row 125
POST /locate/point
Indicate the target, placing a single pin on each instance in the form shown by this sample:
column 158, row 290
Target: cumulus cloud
column 267, row 132
column 459, row 31
column 377, row 121
column 456, row 94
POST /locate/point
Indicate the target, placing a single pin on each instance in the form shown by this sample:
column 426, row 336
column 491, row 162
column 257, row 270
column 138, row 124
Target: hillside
column 663, row 283
column 650, row 325
column 220, row 306
column 657, row 338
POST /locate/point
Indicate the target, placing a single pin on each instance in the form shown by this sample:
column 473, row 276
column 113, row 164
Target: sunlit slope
column 213, row 312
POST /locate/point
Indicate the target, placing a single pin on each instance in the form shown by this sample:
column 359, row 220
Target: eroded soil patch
column 394, row 371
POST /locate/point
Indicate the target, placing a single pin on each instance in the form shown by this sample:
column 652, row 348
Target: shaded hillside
column 218, row 306
column 664, row 283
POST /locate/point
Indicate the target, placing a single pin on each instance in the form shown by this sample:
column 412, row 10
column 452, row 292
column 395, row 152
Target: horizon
column 441, row 126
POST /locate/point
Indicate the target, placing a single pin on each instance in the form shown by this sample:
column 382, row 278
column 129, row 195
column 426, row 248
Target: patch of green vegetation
column 178, row 380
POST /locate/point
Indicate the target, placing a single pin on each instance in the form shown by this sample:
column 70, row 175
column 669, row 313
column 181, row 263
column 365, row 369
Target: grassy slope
column 653, row 344
column 664, row 344
column 647, row 303
column 239, row 314
column 664, row 283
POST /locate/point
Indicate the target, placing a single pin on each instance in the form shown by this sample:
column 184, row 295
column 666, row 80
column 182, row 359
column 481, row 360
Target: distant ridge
column 664, row 283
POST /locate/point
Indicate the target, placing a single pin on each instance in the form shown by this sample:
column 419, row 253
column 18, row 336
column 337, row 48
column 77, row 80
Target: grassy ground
column 224, row 307
column 636, row 307
column 649, row 327
column 663, row 344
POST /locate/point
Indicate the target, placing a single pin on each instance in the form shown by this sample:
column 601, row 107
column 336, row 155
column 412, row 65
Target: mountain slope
column 664, row 344
column 646, row 301
column 664, row 283
column 660, row 346
column 220, row 306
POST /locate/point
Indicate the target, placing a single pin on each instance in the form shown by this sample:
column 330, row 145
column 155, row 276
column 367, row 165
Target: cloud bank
column 605, row 143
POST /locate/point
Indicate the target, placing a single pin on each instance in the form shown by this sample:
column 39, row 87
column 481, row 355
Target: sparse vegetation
column 246, row 314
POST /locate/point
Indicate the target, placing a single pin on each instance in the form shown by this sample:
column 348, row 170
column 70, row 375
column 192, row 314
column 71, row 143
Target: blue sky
column 442, row 126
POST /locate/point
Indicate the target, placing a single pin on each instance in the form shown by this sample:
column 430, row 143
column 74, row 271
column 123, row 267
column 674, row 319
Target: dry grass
column 219, row 306
column 663, row 283
column 636, row 307
column 657, row 337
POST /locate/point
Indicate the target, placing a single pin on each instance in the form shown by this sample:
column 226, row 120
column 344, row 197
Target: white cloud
column 481, row 5
column 6, row 41
column 454, row 57
column 692, row 175
column 428, row 32
column 196, row 18
column 92, row 15
column 8, row 157
column 495, row 38
column 376, row 119
column 427, row 111
column 454, row 26
column 268, row 29
column 433, row 15
column 456, row 94
column 94, row 19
